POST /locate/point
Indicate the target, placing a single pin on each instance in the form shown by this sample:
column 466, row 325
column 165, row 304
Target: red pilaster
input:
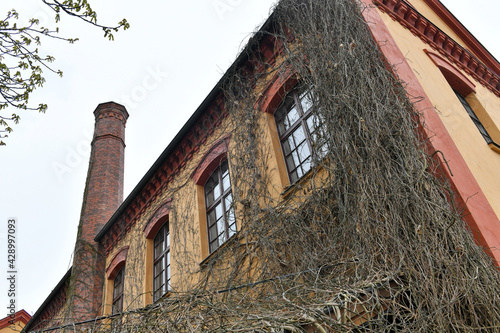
column 478, row 213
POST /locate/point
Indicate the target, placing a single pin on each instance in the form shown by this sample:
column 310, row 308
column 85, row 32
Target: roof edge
column 241, row 58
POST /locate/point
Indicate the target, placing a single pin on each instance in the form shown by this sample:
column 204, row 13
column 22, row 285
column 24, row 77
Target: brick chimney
column 102, row 197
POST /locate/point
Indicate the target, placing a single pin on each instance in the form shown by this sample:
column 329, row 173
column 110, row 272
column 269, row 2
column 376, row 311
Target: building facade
column 339, row 177
column 14, row 322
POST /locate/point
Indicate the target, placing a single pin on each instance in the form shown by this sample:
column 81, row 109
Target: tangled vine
column 368, row 243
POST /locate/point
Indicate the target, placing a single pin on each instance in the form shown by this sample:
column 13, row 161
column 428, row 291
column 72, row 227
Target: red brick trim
column 111, row 110
column 157, row 220
column 464, row 35
column 46, row 313
column 211, row 160
column 20, row 316
column 477, row 211
column 411, row 19
column 172, row 164
column 109, row 136
column 457, row 80
column 117, row 263
column 277, row 90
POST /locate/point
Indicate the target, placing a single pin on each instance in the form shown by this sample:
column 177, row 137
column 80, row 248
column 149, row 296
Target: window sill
column 495, row 147
column 299, row 184
column 205, row 261
column 165, row 295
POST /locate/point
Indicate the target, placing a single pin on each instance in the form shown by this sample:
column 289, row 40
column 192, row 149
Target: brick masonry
column 103, row 195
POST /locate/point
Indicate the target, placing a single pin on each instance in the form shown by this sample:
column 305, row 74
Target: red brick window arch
column 301, row 132
column 161, row 263
column 465, row 91
column 158, row 230
column 212, row 174
column 118, row 289
column 221, row 222
column 116, row 273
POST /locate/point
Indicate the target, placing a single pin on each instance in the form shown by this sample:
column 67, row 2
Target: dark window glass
column 161, row 264
column 219, row 203
column 118, row 291
column 474, row 118
column 301, row 133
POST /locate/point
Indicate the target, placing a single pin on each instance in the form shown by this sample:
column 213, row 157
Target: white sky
column 161, row 70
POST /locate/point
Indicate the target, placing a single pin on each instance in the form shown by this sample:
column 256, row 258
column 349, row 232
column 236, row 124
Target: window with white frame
column 221, row 221
column 161, row 263
column 301, row 133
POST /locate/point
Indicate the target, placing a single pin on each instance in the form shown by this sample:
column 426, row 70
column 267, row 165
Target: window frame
column 475, row 119
column 230, row 229
column 118, row 297
column 298, row 94
column 164, row 256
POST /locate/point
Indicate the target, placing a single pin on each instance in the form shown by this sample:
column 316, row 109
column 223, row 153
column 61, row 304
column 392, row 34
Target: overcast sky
column 161, row 70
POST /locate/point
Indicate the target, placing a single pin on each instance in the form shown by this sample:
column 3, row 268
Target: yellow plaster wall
column 483, row 162
column 188, row 238
column 16, row 327
column 189, row 246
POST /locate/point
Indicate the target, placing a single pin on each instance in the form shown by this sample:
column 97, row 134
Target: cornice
column 182, row 151
column 429, row 33
column 20, row 316
column 51, row 306
column 171, row 167
column 469, row 40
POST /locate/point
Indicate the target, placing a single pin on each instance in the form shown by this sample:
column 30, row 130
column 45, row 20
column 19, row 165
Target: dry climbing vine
column 369, row 243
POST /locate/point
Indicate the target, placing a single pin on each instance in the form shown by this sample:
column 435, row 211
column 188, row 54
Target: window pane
column 288, row 120
column 214, row 246
column 218, row 211
column 217, row 192
column 291, row 163
column 290, row 145
column 222, row 238
column 303, row 151
column 232, row 229
column 211, row 217
column 221, row 228
column 213, row 232
column 158, row 268
column 210, row 197
column 306, row 101
column 224, row 169
column 158, row 249
column 218, row 215
column 226, row 183
column 299, row 135
column 228, row 201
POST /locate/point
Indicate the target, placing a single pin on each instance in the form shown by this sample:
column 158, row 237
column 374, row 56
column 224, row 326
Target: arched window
column 221, row 221
column 118, row 291
column 300, row 132
column 474, row 118
column 115, row 273
column 161, row 263
column 465, row 91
